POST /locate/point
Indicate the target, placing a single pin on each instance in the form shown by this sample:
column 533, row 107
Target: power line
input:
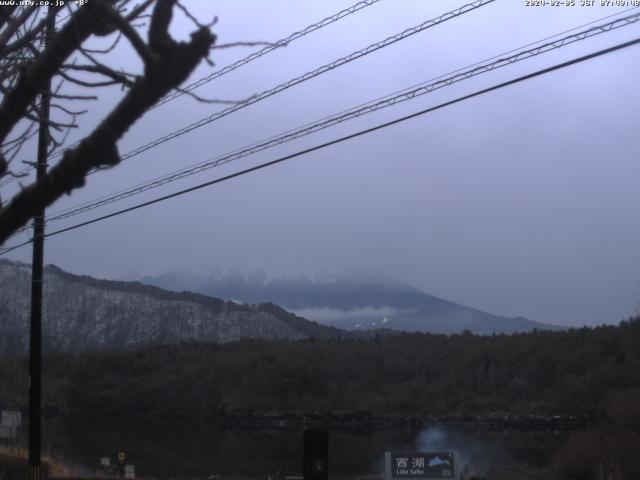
column 240, row 63
column 345, row 138
column 303, row 78
column 268, row 49
column 387, row 101
column 311, row 74
column 297, row 80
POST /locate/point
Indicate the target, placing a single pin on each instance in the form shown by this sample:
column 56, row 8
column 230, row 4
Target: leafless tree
column 28, row 65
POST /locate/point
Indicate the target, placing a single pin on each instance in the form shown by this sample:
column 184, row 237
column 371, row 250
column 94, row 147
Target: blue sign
column 422, row 465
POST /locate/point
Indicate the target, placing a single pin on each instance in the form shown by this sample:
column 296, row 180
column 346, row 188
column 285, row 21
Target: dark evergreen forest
column 587, row 372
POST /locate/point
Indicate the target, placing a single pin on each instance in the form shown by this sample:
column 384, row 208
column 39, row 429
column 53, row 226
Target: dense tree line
column 587, row 371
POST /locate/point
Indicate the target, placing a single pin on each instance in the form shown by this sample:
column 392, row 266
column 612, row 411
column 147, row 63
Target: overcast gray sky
column 521, row 202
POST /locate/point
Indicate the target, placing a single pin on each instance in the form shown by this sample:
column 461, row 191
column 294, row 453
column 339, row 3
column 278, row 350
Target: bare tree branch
column 138, row 11
column 87, row 84
column 200, row 99
column 34, row 78
column 30, row 34
column 106, row 50
column 125, row 78
column 16, row 175
column 6, row 11
column 195, row 21
column 128, row 31
column 14, row 25
column 67, row 111
column 50, row 123
column 170, row 64
column 74, row 97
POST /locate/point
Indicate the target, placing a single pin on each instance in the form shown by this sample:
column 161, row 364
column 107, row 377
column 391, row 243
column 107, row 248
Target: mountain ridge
column 84, row 313
column 350, row 303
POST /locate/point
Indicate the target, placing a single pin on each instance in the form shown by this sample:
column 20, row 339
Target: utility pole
column 35, row 334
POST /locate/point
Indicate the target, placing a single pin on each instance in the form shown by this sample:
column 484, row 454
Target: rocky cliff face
column 83, row 313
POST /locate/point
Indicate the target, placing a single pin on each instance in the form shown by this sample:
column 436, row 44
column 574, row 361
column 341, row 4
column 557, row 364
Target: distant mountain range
column 84, row 313
column 348, row 302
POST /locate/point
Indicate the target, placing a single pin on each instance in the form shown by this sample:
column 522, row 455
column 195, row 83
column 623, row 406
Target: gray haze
column 520, row 202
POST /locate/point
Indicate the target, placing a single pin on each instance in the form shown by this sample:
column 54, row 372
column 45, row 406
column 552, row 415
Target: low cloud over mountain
column 348, row 302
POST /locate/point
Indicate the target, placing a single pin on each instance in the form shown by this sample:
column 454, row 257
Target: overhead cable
column 404, row 95
column 240, row 63
column 342, row 139
column 268, row 49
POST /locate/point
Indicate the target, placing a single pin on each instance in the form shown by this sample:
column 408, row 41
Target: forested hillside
column 82, row 313
column 593, row 372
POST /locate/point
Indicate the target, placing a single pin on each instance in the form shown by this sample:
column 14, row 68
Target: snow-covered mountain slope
column 83, row 313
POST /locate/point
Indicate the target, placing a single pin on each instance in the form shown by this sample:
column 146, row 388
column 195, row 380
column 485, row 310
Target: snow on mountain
column 353, row 303
column 84, row 313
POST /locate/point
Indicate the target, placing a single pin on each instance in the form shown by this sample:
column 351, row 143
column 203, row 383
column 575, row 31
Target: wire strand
column 268, row 49
column 306, row 76
column 312, row 74
column 375, row 128
column 284, row 86
column 240, row 63
column 387, row 101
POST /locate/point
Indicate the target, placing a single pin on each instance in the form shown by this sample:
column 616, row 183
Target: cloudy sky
column 522, row 201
